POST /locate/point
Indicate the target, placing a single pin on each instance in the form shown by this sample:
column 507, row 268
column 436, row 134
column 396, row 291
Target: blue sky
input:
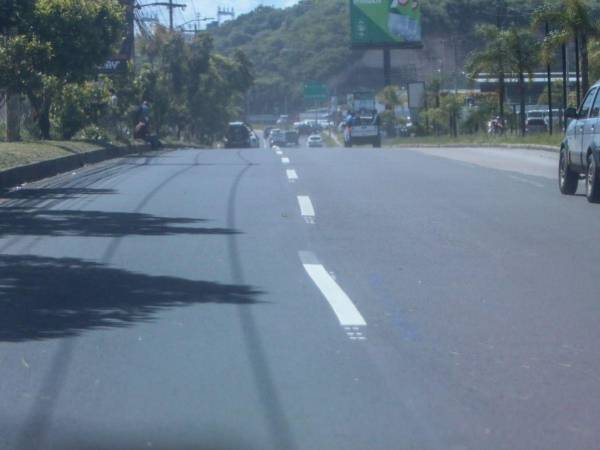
column 208, row 8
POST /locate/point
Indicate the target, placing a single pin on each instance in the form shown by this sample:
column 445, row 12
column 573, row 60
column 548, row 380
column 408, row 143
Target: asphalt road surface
column 313, row 299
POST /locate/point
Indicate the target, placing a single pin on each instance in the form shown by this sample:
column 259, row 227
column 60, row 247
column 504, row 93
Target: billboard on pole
column 385, row 23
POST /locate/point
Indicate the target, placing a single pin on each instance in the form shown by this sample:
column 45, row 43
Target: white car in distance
column 315, row 140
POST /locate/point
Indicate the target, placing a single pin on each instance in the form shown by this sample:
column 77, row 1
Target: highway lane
column 372, row 299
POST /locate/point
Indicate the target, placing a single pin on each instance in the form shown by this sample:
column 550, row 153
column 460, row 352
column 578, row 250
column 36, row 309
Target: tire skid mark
column 272, row 406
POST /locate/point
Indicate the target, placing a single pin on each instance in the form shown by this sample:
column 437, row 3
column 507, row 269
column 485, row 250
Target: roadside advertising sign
column 385, row 23
column 416, row 95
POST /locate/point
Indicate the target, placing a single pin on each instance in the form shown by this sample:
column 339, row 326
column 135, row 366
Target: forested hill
column 310, row 41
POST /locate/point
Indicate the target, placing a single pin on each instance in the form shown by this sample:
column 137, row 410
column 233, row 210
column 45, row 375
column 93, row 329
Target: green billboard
column 385, row 23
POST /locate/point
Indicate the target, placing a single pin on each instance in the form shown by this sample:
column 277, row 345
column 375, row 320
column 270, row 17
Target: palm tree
column 491, row 59
column 522, row 57
column 571, row 20
column 595, row 59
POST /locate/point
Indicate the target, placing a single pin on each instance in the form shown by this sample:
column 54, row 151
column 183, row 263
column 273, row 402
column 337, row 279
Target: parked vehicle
column 545, row 114
column 238, row 135
column 580, row 150
column 535, row 125
column 315, row 140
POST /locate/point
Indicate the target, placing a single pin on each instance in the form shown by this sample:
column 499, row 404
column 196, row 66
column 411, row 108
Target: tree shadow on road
column 46, row 298
column 52, row 193
column 31, row 222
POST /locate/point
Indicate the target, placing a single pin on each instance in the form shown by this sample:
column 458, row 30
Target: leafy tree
column 391, row 97
column 193, row 90
column 557, row 95
column 444, row 119
column 493, row 59
column 83, row 34
column 57, row 42
column 523, row 58
column 81, row 105
column 478, row 115
column 22, row 60
column 571, row 19
column 15, row 15
column 595, row 59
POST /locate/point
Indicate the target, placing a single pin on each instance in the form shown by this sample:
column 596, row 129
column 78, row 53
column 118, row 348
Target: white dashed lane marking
column 285, row 160
column 292, row 175
column 347, row 313
column 306, row 209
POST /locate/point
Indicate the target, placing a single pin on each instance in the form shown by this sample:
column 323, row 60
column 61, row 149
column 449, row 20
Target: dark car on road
column 239, row 135
column 292, row 138
column 580, row 150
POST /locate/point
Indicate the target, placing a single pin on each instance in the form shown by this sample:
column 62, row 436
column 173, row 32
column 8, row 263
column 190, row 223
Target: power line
column 167, row 4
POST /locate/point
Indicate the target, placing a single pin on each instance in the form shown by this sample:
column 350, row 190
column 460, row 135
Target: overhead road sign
column 385, row 23
column 316, row 91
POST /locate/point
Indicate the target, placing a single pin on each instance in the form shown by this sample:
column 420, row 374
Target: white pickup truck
column 363, row 129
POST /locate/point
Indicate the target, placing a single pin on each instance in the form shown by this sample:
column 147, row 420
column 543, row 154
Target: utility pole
column 170, row 5
column 549, row 70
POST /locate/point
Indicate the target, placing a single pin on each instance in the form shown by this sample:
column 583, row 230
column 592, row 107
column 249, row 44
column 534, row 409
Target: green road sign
column 385, row 23
column 315, row 91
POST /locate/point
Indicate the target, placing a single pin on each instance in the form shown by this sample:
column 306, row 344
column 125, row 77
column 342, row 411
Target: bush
column 79, row 105
column 94, row 133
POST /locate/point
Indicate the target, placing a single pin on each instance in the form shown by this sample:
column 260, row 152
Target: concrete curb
column 44, row 169
column 547, row 148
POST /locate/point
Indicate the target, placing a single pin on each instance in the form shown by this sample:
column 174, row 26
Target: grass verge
column 481, row 139
column 328, row 140
column 15, row 154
